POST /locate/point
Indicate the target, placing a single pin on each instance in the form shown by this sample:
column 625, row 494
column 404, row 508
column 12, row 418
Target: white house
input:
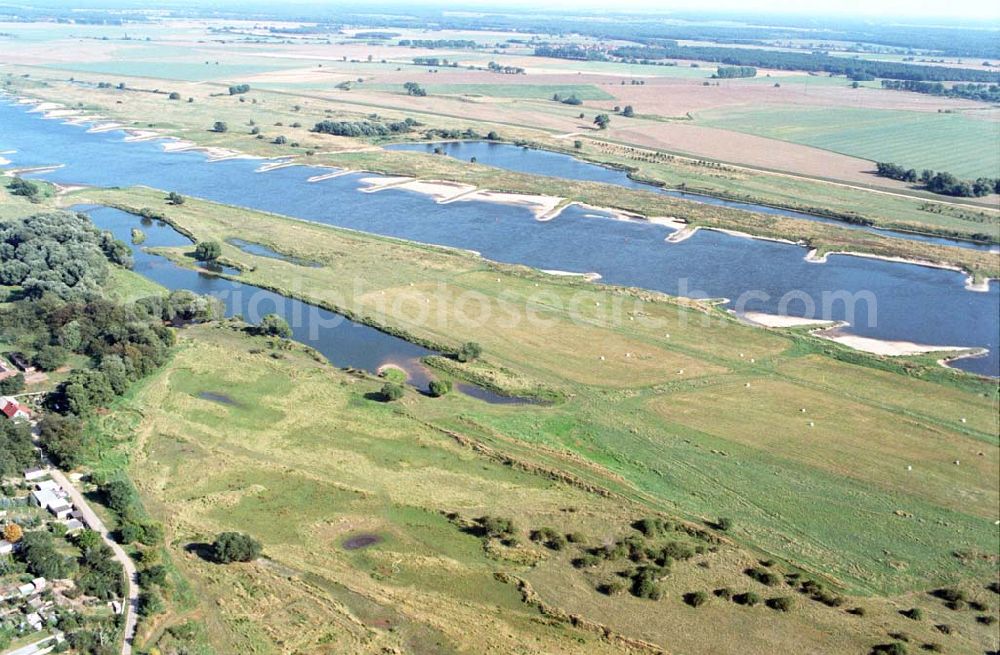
column 54, row 501
column 6, row 548
column 35, row 621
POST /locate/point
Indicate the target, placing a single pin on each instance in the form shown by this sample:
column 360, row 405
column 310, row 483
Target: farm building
column 6, row 548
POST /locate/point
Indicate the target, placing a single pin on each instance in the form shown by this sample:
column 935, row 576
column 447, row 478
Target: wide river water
column 890, row 301
column 554, row 164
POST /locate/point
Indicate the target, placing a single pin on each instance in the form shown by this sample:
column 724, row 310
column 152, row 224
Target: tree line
column 981, row 92
column 433, row 44
column 940, row 182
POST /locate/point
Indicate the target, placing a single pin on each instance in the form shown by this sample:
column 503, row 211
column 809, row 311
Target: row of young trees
column 940, row 182
column 730, row 72
column 981, row 92
column 433, row 44
column 860, row 69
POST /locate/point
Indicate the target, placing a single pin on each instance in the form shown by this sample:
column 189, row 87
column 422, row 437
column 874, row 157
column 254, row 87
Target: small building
column 116, row 606
column 14, row 410
column 31, row 475
column 6, row 548
column 27, row 589
column 40, row 584
column 61, row 510
column 73, row 525
column 21, row 362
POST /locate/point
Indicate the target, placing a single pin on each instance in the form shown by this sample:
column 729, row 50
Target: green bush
column 914, row 613
column 208, row 251
column 469, row 352
column 235, row 547
column 440, row 388
column 781, row 603
column 696, row 598
column 748, row 598
column 613, row 588
column 392, row 391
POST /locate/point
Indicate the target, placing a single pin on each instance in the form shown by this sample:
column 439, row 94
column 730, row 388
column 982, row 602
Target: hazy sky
column 900, row 9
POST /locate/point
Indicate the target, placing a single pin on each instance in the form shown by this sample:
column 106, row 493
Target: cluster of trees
column 982, row 92
column 24, row 188
column 366, row 128
column 456, row 133
column 861, row 69
column 602, row 121
column 570, row 100
column 123, row 342
column 940, row 182
column 507, row 70
column 58, row 253
column 17, row 452
column 414, row 89
column 730, row 72
column 438, row 43
column 237, row 89
column 99, row 575
column 133, row 525
column 434, row 62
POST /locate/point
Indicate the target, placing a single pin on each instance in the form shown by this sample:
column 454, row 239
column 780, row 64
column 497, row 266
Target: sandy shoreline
column 589, row 277
column 885, row 347
column 444, row 192
column 778, row 321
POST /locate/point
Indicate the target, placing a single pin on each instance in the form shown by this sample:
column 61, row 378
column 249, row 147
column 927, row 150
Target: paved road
column 131, row 575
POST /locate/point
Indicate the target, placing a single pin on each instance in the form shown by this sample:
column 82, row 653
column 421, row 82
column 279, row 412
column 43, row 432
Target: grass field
column 964, row 146
column 170, row 70
column 534, row 91
column 246, row 460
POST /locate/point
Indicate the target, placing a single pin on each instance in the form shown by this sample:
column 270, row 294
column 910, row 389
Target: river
column 885, row 300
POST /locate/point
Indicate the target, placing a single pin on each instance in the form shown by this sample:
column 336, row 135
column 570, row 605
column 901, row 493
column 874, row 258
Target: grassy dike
column 638, row 388
column 191, row 122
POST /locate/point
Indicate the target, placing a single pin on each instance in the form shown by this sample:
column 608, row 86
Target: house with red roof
column 14, row 410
